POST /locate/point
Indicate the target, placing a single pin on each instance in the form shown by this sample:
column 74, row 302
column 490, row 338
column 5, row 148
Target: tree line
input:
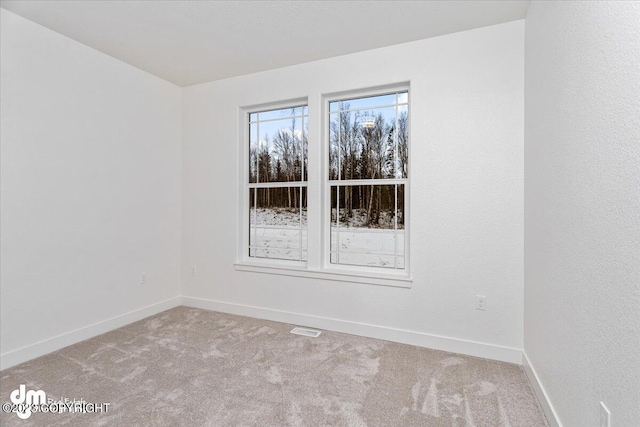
column 362, row 145
column 280, row 158
column 366, row 146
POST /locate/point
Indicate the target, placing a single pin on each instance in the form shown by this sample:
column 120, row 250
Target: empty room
column 320, row 213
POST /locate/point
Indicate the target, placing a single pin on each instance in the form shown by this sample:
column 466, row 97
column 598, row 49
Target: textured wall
column 466, row 186
column 582, row 199
column 90, row 185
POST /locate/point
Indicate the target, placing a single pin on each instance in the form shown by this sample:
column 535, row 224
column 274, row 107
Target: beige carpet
column 194, row 367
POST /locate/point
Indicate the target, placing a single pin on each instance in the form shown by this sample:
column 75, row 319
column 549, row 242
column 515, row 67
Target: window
column 350, row 165
column 368, row 162
column 278, row 184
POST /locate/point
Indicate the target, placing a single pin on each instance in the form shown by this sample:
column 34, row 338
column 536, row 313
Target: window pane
column 376, row 144
column 400, row 218
column 278, row 145
column 367, row 102
column 334, row 152
column 367, row 225
column 366, row 206
column 303, row 223
column 368, row 139
column 253, row 152
column 305, row 147
column 351, row 145
column 282, row 113
column 402, row 157
column 369, row 144
column 278, row 223
column 252, row 219
column 367, row 260
column 281, row 154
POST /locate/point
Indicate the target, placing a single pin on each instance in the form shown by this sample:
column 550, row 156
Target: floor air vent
column 306, row 332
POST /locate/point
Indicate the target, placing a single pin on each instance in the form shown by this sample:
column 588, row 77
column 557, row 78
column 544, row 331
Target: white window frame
column 318, row 263
column 244, row 204
column 326, row 190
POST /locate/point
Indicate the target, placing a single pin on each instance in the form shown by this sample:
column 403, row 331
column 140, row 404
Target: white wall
column 466, row 196
column 90, row 189
column 582, row 197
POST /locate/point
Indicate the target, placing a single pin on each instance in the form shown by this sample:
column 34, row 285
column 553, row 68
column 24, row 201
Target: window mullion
column 315, row 200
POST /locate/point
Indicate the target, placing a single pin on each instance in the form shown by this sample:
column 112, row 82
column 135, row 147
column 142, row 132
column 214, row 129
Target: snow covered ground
column 358, row 219
column 367, row 246
column 278, row 233
column 279, row 217
column 282, row 234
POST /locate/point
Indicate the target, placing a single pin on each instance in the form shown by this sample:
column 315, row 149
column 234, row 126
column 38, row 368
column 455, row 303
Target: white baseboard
column 541, row 394
column 454, row 345
column 23, row 354
column 420, row 339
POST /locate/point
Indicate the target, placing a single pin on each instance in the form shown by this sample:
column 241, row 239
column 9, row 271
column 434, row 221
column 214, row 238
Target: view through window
column 368, row 159
column 278, row 183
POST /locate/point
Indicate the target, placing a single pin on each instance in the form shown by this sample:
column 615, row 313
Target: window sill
column 396, row 280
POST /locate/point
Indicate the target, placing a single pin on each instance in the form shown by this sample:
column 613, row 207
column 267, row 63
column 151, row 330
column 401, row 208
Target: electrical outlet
column 193, row 270
column 605, row 416
column 481, row 302
column 143, row 278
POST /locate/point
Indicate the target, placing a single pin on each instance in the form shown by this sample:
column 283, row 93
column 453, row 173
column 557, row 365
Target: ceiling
column 190, row 42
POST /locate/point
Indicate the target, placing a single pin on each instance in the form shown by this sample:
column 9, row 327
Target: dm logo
column 24, row 399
